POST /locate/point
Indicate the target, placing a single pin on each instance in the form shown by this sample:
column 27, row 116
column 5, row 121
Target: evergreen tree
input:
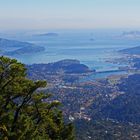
column 25, row 112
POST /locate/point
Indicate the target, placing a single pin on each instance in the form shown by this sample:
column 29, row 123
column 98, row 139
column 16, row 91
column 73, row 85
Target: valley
column 111, row 103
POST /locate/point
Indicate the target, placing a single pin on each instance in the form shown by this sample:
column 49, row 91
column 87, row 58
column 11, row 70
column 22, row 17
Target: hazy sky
column 59, row 14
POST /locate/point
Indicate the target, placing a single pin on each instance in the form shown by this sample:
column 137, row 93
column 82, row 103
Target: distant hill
column 13, row 47
column 126, row 107
column 135, row 50
column 68, row 66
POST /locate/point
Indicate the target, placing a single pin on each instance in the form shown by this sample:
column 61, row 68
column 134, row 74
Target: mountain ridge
column 14, row 47
column 132, row 51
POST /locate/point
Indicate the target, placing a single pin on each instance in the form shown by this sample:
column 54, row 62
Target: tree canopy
column 25, row 112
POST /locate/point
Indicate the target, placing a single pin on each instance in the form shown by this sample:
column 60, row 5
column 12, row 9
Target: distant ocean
column 93, row 48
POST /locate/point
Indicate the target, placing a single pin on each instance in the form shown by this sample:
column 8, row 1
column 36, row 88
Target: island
column 131, row 35
column 47, row 35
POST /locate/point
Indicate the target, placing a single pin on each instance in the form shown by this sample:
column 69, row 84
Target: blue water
column 91, row 48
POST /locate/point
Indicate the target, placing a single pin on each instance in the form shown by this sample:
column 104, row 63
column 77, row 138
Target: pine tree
column 24, row 111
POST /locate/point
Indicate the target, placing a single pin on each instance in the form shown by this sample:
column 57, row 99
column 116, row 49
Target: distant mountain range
column 13, row 47
column 134, row 50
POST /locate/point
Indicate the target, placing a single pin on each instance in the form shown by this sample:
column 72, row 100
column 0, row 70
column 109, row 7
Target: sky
column 69, row 14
